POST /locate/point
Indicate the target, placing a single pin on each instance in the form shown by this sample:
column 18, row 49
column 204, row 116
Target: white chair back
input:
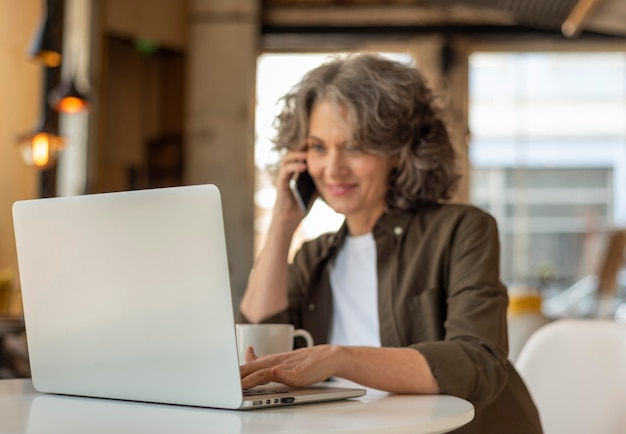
column 576, row 372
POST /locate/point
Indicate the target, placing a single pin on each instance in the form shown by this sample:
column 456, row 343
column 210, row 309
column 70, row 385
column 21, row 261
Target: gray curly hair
column 391, row 112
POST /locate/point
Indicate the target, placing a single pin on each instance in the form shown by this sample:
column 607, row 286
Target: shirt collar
column 392, row 223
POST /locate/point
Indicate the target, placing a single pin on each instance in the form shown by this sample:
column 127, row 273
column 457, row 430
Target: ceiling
column 581, row 17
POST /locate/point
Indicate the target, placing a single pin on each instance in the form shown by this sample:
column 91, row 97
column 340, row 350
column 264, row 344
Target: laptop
column 127, row 296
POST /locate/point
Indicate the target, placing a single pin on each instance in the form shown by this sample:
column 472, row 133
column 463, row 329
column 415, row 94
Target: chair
column 575, row 370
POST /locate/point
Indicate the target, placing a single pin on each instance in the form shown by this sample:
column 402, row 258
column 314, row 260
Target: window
column 548, row 157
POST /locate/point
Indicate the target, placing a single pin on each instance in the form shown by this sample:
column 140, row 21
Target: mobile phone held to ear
column 303, row 189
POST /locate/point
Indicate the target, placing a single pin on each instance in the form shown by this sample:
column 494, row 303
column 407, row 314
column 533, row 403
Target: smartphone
column 303, row 189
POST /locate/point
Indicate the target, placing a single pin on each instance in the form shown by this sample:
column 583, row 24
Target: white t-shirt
column 354, row 283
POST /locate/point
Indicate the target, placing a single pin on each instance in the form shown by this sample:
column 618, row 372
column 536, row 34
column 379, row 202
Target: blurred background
column 177, row 92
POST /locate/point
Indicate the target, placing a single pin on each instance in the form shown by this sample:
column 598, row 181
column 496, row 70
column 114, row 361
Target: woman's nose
column 335, row 163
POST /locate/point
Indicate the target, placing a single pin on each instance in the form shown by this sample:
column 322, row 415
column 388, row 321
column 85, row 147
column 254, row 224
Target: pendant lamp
column 46, row 46
column 68, row 98
column 71, row 95
column 41, row 147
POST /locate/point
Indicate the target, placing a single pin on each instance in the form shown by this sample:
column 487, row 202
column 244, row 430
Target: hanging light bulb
column 41, row 147
column 68, row 98
column 40, row 150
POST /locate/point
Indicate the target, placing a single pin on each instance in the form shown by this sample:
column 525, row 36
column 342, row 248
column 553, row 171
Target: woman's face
column 352, row 182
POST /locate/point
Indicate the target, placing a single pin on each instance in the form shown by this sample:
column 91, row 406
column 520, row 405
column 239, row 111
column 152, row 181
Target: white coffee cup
column 268, row 338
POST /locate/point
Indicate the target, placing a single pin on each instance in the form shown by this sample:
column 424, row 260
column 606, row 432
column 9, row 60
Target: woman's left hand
column 301, row 367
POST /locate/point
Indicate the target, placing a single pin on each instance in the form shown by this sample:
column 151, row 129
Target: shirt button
column 397, row 230
column 311, row 307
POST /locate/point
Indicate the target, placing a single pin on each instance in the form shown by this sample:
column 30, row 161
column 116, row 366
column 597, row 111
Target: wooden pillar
column 222, row 53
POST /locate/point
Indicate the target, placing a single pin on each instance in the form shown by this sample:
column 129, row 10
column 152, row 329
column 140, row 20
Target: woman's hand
column 286, row 209
column 301, row 367
column 266, row 294
column 396, row 370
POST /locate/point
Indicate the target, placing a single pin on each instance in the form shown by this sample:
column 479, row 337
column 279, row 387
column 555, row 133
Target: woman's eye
column 315, row 147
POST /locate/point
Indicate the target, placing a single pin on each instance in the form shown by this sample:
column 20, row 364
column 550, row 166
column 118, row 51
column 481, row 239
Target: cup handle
column 302, row 333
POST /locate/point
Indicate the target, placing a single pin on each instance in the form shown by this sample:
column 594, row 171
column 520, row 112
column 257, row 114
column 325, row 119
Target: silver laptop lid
column 126, row 295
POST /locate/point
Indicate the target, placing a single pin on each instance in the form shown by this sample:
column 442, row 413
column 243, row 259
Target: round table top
column 24, row 410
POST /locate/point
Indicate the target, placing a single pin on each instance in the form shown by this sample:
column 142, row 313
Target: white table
column 23, row 410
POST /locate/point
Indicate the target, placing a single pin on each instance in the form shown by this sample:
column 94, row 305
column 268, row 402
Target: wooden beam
column 390, row 15
column 571, row 27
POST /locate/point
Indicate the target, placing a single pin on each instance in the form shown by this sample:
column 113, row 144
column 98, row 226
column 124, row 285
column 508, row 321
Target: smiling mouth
column 340, row 190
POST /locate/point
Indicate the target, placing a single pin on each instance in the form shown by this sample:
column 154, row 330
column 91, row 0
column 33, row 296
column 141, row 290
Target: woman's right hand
column 266, row 293
column 287, row 213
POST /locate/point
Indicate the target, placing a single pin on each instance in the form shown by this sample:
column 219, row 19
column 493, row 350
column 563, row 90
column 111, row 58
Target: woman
column 406, row 297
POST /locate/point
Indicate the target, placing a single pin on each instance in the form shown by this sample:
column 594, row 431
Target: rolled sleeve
column 471, row 360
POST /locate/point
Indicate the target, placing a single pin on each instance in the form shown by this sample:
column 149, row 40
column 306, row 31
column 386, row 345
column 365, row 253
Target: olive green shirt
column 439, row 292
